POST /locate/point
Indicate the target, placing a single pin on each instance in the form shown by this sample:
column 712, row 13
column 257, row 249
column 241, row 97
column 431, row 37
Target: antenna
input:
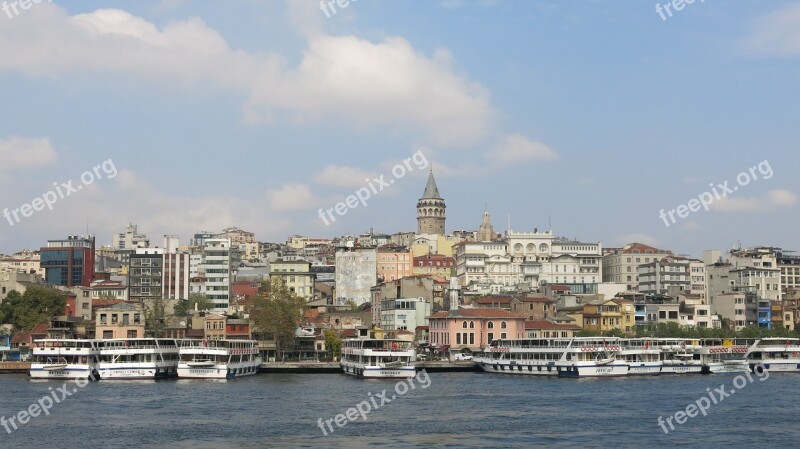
column 549, row 222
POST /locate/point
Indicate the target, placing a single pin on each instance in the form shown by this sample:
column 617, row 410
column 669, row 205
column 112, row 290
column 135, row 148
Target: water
column 456, row 410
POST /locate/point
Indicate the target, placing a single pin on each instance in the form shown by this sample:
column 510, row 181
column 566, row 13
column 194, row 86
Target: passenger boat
column 565, row 357
column 722, row 357
column 378, row 358
column 64, row 359
column 641, row 356
column 218, row 359
column 679, row 356
column 138, row 358
column 775, row 354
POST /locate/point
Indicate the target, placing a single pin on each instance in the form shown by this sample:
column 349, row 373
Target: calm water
column 457, row 410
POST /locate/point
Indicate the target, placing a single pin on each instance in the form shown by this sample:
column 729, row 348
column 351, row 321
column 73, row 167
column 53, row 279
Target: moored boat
column 641, row 356
column 218, row 359
column 723, row 357
column 138, row 358
column 775, row 354
column 679, row 356
column 378, row 358
column 64, row 359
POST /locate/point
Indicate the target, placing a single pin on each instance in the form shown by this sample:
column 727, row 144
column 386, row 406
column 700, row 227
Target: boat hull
column 682, row 369
column 609, row 370
column 504, row 367
column 778, row 366
column 644, row 369
column 224, row 371
column 38, row 371
column 122, row 372
column 377, row 372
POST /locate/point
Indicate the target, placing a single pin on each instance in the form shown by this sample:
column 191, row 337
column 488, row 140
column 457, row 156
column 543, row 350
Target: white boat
column 679, row 356
column 722, row 357
column 378, row 358
column 138, row 358
column 64, row 359
column 641, row 355
column 776, row 354
column 565, row 357
column 218, row 359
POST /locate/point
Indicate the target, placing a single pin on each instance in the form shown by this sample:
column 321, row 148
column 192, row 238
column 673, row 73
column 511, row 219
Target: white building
column 621, row 265
column 528, row 258
column 130, row 239
column 216, row 269
column 404, row 313
column 658, row 277
column 356, row 274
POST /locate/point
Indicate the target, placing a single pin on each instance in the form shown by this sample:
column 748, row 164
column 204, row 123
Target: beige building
column 434, row 265
column 296, row 274
column 121, row 320
column 621, row 265
column 394, row 262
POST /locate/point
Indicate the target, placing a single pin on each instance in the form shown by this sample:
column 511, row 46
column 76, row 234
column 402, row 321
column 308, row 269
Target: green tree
column 278, row 313
column 155, row 317
column 333, row 344
column 182, row 308
column 37, row 305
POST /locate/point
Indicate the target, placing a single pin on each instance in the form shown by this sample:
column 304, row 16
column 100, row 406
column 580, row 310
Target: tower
column 431, row 210
column 486, row 231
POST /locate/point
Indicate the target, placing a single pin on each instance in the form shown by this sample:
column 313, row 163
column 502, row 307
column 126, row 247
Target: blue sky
column 593, row 114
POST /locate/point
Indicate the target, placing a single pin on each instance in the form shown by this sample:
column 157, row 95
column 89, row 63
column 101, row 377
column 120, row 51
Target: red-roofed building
column 474, row 328
column 494, row 302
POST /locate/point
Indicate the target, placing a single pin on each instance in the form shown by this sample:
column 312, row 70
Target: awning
column 443, row 348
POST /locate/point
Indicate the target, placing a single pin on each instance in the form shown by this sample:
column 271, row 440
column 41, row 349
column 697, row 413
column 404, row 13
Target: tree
column 202, row 302
column 279, row 312
column 37, row 305
column 333, row 344
column 155, row 317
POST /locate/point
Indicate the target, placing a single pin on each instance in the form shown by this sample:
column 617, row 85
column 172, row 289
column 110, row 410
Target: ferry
column 138, row 358
column 774, row 354
column 369, row 358
column 641, row 356
column 218, row 359
column 564, row 357
column 679, row 356
column 722, row 357
column 64, row 359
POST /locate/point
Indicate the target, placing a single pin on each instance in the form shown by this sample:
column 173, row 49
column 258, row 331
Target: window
column 490, row 336
column 503, row 326
column 471, row 338
column 472, row 325
column 131, row 334
column 503, row 335
column 490, row 325
column 458, row 338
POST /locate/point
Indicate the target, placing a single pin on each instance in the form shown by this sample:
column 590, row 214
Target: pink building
column 474, row 329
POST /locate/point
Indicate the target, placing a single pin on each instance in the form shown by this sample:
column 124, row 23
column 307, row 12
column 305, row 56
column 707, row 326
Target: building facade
column 431, row 210
column 621, row 265
column 69, row 262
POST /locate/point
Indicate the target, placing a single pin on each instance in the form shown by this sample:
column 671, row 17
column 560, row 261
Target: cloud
column 516, row 148
column 292, row 197
column 774, row 199
column 341, row 176
column 363, row 84
column 775, row 34
column 20, row 153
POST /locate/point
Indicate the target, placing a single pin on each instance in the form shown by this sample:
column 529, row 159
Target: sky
column 587, row 117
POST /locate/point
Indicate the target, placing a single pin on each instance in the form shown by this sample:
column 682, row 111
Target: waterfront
column 457, row 410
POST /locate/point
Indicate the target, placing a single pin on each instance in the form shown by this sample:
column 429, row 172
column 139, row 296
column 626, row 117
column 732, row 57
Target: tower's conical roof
column 431, row 191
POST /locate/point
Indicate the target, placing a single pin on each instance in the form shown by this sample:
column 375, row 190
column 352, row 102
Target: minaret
column 431, row 209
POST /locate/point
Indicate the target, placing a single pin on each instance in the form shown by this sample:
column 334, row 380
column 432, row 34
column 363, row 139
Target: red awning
column 443, row 348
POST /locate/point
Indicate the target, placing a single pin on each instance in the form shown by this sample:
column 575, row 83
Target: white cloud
column 292, row 197
column 341, row 176
column 19, row 153
column 363, row 84
column 776, row 33
column 774, row 199
column 516, row 148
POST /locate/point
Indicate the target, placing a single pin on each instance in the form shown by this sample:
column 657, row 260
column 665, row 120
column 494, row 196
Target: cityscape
column 364, row 223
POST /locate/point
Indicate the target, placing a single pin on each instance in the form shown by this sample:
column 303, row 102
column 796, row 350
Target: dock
column 14, row 367
column 334, row 368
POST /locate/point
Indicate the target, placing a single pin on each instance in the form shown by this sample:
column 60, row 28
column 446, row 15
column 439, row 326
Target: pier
column 14, row 367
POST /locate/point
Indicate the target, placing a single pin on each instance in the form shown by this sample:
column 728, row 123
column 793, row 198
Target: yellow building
column 606, row 315
column 296, row 274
